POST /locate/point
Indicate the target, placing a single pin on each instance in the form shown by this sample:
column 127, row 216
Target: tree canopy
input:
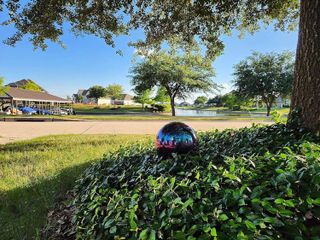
column 181, row 72
column 114, row 91
column 159, row 19
column 2, row 88
column 97, row 92
column 201, row 100
column 205, row 20
column 265, row 75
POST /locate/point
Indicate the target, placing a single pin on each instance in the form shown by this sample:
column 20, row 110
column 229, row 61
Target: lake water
column 205, row 113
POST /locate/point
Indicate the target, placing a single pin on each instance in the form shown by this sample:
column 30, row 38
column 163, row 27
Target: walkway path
column 14, row 131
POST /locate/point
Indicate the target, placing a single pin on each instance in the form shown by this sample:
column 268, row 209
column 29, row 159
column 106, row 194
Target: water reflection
column 205, row 113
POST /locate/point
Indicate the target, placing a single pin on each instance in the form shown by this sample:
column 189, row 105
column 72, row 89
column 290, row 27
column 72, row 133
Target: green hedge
column 254, row 183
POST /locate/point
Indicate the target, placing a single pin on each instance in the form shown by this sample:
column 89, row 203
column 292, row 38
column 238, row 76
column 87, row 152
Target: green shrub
column 252, row 183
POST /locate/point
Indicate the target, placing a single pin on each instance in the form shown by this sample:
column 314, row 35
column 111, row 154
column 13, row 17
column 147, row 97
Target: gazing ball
column 175, row 137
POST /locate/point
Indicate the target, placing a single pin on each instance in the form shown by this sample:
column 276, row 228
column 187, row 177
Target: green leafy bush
column 252, row 183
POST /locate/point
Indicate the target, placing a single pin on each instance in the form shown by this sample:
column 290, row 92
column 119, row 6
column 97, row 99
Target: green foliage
column 201, row 100
column 2, row 88
column 265, row 75
column 37, row 173
column 114, row 91
column 97, row 92
column 231, row 100
column 143, row 97
column 277, row 117
column 181, row 71
column 159, row 20
column 252, row 183
column 31, row 85
column 162, row 95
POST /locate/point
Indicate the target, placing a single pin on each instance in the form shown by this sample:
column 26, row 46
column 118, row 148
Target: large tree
column 97, row 92
column 204, row 19
column 180, row 71
column 267, row 76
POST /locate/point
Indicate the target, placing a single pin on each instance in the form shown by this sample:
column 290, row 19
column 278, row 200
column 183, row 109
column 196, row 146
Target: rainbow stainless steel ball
column 175, row 137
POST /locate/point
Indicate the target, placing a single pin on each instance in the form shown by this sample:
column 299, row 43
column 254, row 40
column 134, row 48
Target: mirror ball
column 176, row 137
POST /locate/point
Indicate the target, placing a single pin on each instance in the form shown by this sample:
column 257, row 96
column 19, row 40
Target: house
column 185, row 104
column 16, row 97
column 125, row 99
column 282, row 102
column 82, row 97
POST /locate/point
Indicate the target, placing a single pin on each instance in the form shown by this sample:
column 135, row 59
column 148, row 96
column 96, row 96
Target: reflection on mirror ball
column 176, row 137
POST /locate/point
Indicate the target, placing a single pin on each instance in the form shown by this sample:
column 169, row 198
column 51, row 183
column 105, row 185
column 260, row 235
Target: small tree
column 97, row 92
column 201, row 100
column 265, row 75
column 180, row 71
column 79, row 98
column 231, row 100
column 2, row 87
column 162, row 95
column 216, row 101
column 143, row 97
column 114, row 91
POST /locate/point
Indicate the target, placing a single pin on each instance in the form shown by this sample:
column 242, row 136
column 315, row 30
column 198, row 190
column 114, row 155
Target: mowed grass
column 37, row 173
column 88, row 108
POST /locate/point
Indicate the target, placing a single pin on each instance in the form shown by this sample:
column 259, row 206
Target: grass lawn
column 35, row 174
column 92, row 109
column 155, row 117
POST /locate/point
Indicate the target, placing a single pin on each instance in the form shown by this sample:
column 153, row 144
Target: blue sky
column 88, row 61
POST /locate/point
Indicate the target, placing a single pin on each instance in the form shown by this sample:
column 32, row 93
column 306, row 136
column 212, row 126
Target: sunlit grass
column 35, row 174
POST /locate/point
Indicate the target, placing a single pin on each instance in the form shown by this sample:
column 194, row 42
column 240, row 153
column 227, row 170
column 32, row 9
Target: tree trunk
column 268, row 110
column 306, row 87
column 173, row 110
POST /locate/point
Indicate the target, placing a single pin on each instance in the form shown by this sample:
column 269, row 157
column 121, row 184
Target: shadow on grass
column 23, row 211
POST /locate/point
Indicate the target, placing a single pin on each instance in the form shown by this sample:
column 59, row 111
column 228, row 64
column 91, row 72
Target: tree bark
column 306, row 87
column 268, row 110
column 173, row 110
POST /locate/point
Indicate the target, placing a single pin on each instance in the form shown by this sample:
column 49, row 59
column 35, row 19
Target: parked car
column 43, row 112
column 27, row 110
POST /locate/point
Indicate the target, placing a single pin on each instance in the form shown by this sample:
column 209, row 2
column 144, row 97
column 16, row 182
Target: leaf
column 152, row 235
column 144, row 234
column 113, row 230
column 285, row 213
column 269, row 220
column 250, row 225
column 223, row 217
column 279, row 201
column 316, row 201
column 187, row 203
column 213, row 232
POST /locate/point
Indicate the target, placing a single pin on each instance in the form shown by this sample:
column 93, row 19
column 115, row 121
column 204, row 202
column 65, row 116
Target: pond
column 206, row 113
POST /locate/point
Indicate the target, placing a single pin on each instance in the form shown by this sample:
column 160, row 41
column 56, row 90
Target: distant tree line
column 113, row 91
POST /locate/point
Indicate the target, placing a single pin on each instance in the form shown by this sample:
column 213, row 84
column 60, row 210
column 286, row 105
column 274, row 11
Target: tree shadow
column 23, row 211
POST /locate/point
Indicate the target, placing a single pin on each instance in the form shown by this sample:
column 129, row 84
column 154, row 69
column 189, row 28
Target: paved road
column 14, row 131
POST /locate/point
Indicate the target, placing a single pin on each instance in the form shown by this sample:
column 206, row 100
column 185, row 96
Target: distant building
column 82, row 97
column 184, row 104
column 16, row 97
column 283, row 102
column 126, row 99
